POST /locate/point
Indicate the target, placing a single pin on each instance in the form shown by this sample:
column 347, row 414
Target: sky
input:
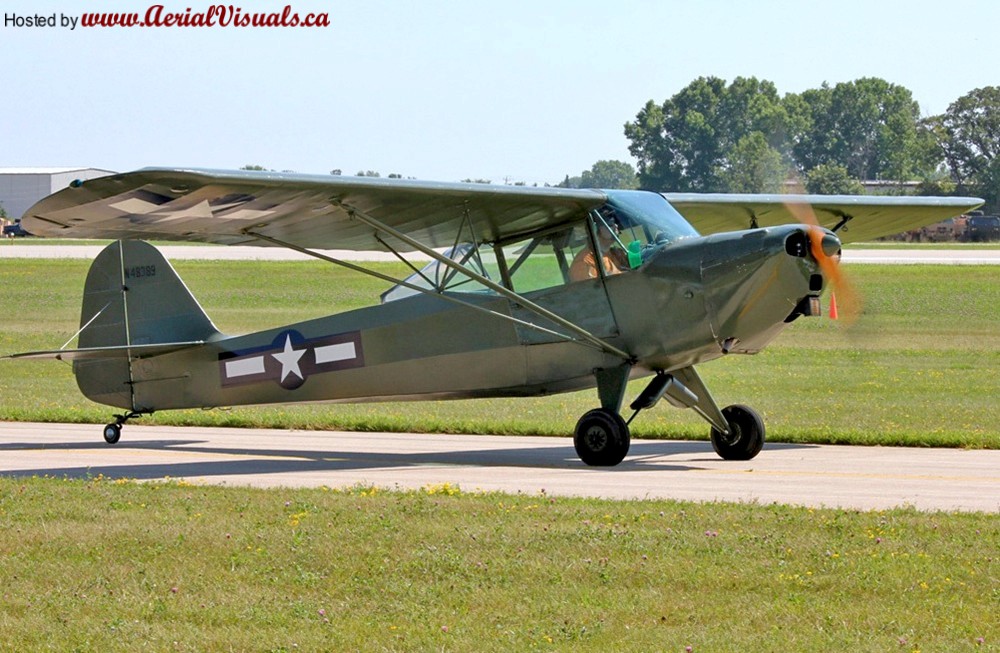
column 519, row 91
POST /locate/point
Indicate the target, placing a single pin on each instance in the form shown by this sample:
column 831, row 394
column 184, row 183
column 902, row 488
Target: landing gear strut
column 602, row 436
column 113, row 431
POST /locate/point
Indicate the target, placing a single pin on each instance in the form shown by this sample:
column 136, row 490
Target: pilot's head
column 608, row 228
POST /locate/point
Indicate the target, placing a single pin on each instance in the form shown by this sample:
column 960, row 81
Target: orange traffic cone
column 833, row 306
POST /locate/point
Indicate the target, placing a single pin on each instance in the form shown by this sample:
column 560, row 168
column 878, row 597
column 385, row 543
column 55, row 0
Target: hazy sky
column 528, row 91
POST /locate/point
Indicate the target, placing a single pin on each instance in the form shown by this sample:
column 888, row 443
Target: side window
column 437, row 277
column 544, row 261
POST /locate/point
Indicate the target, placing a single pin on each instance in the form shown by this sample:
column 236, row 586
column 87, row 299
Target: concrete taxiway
column 862, row 478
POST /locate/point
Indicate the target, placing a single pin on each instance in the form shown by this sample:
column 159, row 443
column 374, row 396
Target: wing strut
column 845, row 218
column 385, row 277
column 489, row 283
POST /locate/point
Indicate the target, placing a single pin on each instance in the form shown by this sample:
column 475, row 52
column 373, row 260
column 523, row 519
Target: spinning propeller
column 826, row 250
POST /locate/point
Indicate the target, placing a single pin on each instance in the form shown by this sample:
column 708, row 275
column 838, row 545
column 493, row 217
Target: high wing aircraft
column 528, row 292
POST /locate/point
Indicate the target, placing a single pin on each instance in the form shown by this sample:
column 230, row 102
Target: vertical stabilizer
column 132, row 296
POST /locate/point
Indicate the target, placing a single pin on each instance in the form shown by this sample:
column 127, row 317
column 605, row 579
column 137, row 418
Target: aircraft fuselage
column 677, row 310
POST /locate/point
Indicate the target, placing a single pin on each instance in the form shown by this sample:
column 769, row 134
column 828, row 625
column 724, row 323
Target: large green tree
column 690, row 142
column 741, row 137
column 868, row 126
column 832, row 179
column 969, row 136
column 753, row 166
column 605, row 174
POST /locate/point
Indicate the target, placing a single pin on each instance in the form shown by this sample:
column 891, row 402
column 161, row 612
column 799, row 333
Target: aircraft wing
column 311, row 211
column 868, row 216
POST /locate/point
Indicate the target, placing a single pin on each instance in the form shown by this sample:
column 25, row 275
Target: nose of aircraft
column 815, row 241
column 758, row 280
column 829, row 243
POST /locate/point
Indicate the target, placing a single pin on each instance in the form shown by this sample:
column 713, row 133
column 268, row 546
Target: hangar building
column 22, row 187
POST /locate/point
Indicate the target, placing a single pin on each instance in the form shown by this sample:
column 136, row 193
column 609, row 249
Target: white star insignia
column 289, row 359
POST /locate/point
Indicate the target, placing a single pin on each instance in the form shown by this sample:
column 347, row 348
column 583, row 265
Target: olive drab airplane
column 529, row 291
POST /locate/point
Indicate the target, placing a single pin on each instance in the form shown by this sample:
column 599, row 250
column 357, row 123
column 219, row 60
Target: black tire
column 112, row 433
column 601, row 438
column 746, row 437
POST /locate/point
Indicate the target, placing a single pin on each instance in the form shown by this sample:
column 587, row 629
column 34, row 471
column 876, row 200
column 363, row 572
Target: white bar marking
column 332, row 353
column 245, row 367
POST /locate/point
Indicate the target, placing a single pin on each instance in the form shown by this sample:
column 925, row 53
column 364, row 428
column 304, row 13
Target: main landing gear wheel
column 112, row 432
column 746, row 434
column 602, row 438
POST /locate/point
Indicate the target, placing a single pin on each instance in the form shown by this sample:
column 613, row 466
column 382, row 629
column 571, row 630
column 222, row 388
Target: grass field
column 919, row 368
column 102, row 565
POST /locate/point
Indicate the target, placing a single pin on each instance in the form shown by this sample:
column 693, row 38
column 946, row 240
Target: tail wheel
column 746, row 434
column 602, row 438
column 112, row 432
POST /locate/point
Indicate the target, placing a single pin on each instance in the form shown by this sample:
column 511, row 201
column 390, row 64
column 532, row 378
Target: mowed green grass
column 918, row 368
column 103, row 565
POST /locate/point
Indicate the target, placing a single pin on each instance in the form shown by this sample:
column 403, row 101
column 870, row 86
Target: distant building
column 884, row 187
column 22, row 187
column 871, row 186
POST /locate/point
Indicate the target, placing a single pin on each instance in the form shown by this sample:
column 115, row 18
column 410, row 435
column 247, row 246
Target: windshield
column 648, row 217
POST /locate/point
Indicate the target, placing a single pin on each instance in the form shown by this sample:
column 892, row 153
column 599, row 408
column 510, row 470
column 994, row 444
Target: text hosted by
column 161, row 16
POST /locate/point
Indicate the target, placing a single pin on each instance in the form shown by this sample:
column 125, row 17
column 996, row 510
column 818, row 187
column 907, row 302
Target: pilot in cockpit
column 613, row 257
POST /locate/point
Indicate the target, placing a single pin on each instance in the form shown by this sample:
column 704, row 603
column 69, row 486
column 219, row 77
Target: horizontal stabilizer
column 109, row 353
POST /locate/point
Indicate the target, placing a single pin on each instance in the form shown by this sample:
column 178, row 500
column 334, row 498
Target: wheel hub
column 597, row 438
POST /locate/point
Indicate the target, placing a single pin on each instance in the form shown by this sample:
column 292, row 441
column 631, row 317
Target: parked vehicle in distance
column 970, row 228
column 14, row 230
column 982, row 228
column 942, row 231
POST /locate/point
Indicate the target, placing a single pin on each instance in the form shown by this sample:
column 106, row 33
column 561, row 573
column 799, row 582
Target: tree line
column 743, row 137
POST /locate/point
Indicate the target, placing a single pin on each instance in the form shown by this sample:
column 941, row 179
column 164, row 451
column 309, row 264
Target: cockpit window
column 544, row 260
column 627, row 228
column 436, row 276
column 535, row 263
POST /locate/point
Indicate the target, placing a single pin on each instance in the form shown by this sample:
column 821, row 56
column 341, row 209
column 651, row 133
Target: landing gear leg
column 113, row 431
